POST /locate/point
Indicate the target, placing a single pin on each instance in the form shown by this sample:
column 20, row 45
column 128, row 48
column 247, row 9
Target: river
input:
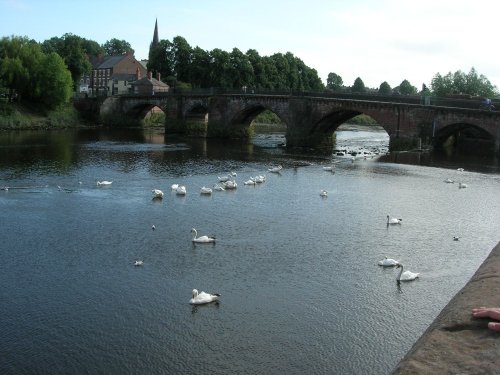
column 301, row 291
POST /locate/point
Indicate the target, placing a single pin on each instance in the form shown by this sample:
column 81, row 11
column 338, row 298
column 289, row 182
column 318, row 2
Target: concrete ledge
column 456, row 343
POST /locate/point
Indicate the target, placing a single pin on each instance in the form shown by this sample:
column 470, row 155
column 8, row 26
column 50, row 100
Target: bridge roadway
column 312, row 118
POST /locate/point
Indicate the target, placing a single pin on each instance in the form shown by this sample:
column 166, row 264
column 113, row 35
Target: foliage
column 384, row 89
column 405, row 88
column 461, row 83
column 115, row 47
column 75, row 51
column 362, row 120
column 334, row 81
column 30, row 74
column 267, row 117
column 358, row 86
column 235, row 69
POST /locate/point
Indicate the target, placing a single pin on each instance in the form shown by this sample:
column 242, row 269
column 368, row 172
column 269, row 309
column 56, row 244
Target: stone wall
column 455, row 343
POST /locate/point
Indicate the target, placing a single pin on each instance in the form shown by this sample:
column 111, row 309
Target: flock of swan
column 389, row 262
column 228, row 182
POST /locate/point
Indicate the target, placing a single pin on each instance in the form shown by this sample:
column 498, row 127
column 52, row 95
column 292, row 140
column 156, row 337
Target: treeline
column 48, row 72
column 182, row 65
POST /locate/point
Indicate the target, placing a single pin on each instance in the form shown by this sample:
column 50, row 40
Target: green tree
column 200, row 68
column 334, row 82
column 260, row 79
column 72, row 49
column 241, row 70
column 182, row 52
column 115, row 47
column 220, row 68
column 358, row 86
column 405, row 88
column 55, row 79
column 384, row 89
column 461, row 83
column 161, row 59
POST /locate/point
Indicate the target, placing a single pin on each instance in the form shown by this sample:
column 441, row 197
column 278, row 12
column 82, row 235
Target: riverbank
column 455, row 343
column 23, row 116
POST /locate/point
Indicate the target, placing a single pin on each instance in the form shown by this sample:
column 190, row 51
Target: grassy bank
column 25, row 116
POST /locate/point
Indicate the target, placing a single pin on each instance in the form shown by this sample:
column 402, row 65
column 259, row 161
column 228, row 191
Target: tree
column 384, row 89
column 200, row 68
column 55, row 81
column 182, row 52
column 461, row 83
column 405, row 88
column 161, row 59
column 358, row 86
column 31, row 74
column 334, row 82
column 72, row 49
column 116, row 47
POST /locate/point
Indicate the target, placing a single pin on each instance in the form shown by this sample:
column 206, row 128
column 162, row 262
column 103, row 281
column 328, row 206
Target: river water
column 301, row 291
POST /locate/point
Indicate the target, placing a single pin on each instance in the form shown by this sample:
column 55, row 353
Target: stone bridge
column 311, row 120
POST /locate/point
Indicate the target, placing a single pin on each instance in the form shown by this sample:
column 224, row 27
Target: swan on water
column 175, row 186
column 330, row 168
column 275, row 169
column 219, row 187
column 138, row 263
column 201, row 239
column 460, row 169
column 323, row 193
column 231, row 184
column 406, row 275
column 461, row 185
column 455, row 238
column 205, row 190
column 202, row 297
column 224, row 178
column 157, row 193
column 393, row 220
column 104, row 183
column 250, row 182
column 181, row 190
column 258, row 179
column 388, row 262
column 153, row 227
column 449, row 181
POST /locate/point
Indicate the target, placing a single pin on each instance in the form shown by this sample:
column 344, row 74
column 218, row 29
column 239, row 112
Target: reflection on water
column 301, row 291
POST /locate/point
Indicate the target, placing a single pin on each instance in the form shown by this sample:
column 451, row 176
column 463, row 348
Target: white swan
column 393, row 220
column 202, row 298
column 181, row 190
column 323, row 193
column 461, row 185
column 330, row 168
column 231, row 184
column 175, row 186
column 219, row 187
column 388, row 262
column 406, row 275
column 205, row 190
column 259, row 179
column 449, row 181
column 138, row 263
column 157, row 193
column 201, row 239
column 104, row 183
column 250, row 182
column 460, row 169
column 275, row 169
column 224, row 178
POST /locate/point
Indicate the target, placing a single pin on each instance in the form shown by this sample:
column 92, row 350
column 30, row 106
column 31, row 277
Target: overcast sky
column 379, row 40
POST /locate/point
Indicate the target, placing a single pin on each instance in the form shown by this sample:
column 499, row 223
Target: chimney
column 138, row 74
column 150, row 75
column 158, row 76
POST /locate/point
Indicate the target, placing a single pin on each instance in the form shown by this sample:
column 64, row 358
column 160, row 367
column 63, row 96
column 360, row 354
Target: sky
column 375, row 40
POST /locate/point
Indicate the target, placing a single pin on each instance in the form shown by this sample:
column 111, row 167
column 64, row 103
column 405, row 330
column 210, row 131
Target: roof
column 110, row 61
column 149, row 82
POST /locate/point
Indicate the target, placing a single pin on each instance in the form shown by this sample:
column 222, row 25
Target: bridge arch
column 465, row 136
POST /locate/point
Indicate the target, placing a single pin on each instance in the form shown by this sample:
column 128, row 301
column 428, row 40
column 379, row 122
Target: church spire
column 156, row 40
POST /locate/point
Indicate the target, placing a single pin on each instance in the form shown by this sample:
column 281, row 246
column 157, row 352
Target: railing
column 473, row 103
